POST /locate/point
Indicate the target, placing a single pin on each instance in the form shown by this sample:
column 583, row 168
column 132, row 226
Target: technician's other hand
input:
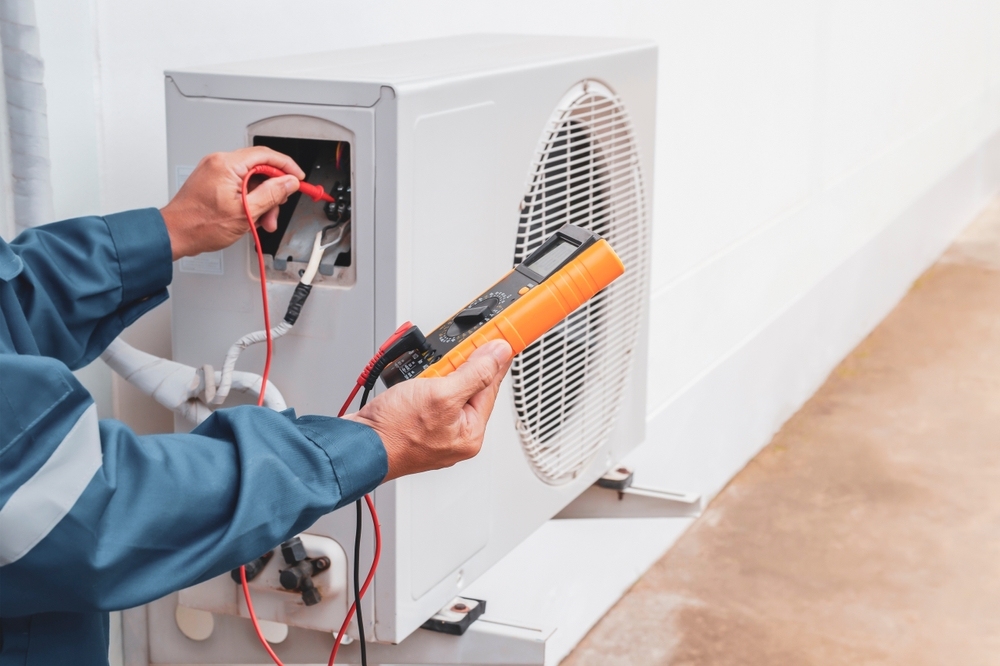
column 432, row 423
column 207, row 213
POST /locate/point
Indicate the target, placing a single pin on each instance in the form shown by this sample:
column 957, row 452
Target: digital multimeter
column 568, row 269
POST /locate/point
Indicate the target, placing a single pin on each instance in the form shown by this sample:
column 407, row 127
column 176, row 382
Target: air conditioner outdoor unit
column 462, row 155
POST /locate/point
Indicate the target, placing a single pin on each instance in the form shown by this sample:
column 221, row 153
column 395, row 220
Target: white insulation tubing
column 176, row 386
column 229, row 365
column 248, row 383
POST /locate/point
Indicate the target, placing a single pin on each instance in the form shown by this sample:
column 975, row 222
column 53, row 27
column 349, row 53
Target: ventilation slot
column 569, row 385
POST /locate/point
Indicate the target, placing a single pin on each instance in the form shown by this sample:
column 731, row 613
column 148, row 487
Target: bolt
column 460, row 608
column 292, row 550
column 311, row 596
column 291, row 578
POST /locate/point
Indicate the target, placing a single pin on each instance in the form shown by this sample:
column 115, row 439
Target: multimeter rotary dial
column 475, row 314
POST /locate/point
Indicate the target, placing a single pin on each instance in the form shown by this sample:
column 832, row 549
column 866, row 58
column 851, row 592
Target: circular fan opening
column 569, row 385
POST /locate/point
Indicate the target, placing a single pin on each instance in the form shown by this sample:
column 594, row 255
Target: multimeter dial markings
column 476, row 313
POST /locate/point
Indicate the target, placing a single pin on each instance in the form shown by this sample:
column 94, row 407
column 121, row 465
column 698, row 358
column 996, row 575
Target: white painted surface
column 7, row 230
column 570, row 572
column 68, row 44
column 794, row 140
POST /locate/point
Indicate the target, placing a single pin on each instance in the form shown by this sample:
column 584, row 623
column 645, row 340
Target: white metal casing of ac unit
column 444, row 134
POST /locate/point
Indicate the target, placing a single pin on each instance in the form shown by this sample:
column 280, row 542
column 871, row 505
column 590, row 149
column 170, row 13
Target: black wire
column 357, row 588
column 357, row 568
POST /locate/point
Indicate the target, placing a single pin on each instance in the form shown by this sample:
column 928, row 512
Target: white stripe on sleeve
column 43, row 500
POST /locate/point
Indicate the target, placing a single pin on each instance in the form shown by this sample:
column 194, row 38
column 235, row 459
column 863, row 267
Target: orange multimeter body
column 566, row 271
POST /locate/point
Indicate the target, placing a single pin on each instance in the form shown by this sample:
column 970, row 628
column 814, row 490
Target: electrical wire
column 368, row 579
column 359, row 593
column 357, row 567
column 404, row 337
column 263, row 385
column 253, row 617
column 217, row 394
column 357, row 585
column 260, row 168
column 350, row 399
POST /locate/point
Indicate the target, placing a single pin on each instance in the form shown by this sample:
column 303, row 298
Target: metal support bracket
column 486, row 643
column 615, row 496
column 456, row 617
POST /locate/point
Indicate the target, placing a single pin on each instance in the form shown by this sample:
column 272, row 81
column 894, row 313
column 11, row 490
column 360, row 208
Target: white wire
column 229, row 365
column 316, row 256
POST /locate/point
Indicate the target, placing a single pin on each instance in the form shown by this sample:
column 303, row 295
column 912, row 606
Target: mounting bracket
column 615, row 496
column 485, row 643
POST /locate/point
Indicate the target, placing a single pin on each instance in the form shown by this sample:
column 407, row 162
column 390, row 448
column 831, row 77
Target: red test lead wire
column 268, row 171
column 253, row 617
column 316, row 193
column 368, row 580
column 363, row 377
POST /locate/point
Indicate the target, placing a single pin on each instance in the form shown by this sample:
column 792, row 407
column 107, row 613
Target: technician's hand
column 432, row 423
column 207, row 213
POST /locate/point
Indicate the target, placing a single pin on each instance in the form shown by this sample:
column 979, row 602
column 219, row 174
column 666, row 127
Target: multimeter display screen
column 552, row 259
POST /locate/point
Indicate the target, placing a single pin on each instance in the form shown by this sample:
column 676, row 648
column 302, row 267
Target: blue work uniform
column 95, row 518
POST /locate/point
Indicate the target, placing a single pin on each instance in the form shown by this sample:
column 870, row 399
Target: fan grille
column 569, row 385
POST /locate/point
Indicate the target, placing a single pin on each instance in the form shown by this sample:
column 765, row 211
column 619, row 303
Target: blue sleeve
column 82, row 281
column 94, row 517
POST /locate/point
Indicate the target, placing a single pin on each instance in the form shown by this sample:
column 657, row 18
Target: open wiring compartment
column 322, row 150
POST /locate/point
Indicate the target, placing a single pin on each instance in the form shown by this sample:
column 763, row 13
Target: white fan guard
column 569, row 385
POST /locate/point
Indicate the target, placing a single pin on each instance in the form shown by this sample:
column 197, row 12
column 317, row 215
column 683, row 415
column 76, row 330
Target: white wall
column 67, row 40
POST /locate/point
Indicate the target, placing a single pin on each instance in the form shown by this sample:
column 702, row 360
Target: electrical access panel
column 326, row 163
column 451, row 161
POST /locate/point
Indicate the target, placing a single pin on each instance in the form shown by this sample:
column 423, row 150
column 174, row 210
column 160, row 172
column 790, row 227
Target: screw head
column 460, row 608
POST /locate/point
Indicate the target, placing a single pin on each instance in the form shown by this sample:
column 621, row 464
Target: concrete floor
column 868, row 530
